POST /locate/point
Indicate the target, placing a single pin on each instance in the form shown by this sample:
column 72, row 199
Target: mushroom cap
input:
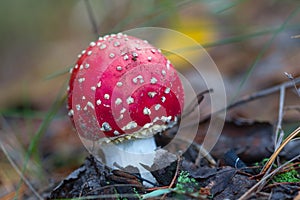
column 123, row 87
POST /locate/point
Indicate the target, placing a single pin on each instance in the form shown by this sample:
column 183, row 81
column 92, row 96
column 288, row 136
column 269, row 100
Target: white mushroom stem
column 132, row 152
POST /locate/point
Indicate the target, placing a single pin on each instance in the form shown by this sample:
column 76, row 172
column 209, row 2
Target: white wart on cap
column 122, row 87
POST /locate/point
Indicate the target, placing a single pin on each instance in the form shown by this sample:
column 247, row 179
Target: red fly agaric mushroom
column 122, row 92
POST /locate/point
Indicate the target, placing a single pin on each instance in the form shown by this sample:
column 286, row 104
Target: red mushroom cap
column 123, row 87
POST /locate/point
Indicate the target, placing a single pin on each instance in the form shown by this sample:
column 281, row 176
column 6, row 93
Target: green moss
column 291, row 176
column 185, row 183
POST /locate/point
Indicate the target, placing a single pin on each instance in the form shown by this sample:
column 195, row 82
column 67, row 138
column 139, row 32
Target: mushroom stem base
column 132, row 152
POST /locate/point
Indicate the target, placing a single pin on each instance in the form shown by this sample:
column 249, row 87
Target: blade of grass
column 235, row 39
column 92, row 17
column 29, row 114
column 241, row 38
column 263, row 51
column 33, row 146
column 231, row 5
column 58, row 73
column 151, row 17
column 157, row 15
column 169, row 8
column 20, row 173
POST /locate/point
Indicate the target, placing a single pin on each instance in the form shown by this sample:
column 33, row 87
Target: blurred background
column 252, row 43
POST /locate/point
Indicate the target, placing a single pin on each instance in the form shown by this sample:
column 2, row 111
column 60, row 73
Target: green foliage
column 137, row 195
column 262, row 163
column 185, row 183
column 291, row 176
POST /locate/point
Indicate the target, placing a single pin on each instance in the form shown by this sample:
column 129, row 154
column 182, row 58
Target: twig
column 295, row 36
column 292, row 107
column 202, row 152
column 103, row 188
column 156, row 188
column 278, row 150
column 199, row 98
column 179, row 159
column 279, row 132
column 92, row 17
column 175, row 176
column 290, row 76
column 264, row 179
column 255, row 96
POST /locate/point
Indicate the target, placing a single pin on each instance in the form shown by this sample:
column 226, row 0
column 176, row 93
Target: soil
column 223, row 181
